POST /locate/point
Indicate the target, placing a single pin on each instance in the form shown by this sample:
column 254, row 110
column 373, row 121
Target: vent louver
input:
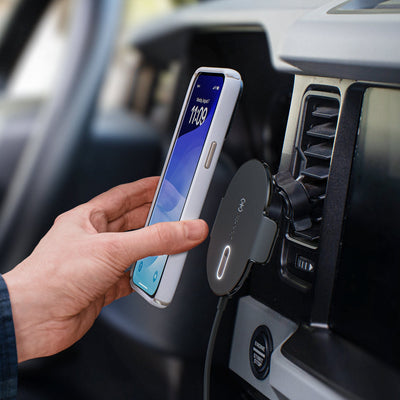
column 306, row 187
column 315, row 147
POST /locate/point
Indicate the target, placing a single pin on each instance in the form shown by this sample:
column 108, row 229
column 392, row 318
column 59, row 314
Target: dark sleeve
column 8, row 348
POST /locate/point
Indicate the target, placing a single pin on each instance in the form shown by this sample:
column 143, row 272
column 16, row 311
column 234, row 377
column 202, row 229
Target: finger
column 154, row 240
column 123, row 198
column 120, row 289
column 131, row 220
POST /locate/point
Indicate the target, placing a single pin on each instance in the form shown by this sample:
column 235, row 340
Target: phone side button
column 210, row 154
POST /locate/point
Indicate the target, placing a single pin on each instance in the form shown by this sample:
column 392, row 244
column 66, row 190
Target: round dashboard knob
column 260, row 351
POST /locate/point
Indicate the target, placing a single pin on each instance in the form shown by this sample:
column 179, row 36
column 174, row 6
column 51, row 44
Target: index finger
column 122, row 199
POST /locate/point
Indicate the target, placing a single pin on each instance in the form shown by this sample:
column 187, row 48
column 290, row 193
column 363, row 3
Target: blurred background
column 37, row 69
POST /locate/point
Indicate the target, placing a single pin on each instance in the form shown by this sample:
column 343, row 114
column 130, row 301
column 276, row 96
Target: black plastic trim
column 335, row 201
column 342, row 365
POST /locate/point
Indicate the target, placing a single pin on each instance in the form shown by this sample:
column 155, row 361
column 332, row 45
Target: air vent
column 306, row 185
column 315, row 146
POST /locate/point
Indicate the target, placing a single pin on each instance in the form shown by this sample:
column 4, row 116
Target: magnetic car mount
column 243, row 234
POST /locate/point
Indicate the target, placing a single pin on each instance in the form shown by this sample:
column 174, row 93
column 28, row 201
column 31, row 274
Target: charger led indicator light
column 223, row 262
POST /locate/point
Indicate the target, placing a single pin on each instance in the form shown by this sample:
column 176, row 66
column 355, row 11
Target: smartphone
column 191, row 160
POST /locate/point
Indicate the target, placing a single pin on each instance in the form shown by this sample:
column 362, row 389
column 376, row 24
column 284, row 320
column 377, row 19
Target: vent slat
column 322, row 151
column 326, row 112
column 311, row 234
column 315, row 151
column 319, row 172
column 323, row 131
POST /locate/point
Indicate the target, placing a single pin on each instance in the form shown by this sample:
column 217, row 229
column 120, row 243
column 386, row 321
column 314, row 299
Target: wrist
column 29, row 341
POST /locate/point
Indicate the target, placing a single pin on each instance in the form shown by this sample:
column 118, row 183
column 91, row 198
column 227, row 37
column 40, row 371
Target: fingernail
column 195, row 230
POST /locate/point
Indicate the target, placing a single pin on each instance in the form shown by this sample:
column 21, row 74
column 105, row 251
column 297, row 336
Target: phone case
column 199, row 187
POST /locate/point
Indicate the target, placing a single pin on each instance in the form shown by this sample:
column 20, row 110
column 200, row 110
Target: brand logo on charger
column 240, row 209
column 241, row 204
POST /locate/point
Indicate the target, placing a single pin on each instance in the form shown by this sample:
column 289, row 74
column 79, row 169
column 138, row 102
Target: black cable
column 222, row 302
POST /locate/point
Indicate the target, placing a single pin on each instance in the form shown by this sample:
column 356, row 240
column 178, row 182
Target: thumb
column 158, row 239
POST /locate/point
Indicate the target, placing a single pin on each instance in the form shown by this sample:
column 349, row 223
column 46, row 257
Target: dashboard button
column 260, row 351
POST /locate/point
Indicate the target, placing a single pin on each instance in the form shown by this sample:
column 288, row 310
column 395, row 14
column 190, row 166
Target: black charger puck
column 242, row 233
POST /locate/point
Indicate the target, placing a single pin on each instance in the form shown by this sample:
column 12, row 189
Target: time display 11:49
column 198, row 115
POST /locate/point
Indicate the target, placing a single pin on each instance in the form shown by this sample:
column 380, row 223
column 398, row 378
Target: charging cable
column 222, row 302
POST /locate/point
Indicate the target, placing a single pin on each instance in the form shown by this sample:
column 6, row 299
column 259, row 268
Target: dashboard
column 321, row 105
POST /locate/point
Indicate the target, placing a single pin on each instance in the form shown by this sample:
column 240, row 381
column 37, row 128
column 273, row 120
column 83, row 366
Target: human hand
column 80, row 266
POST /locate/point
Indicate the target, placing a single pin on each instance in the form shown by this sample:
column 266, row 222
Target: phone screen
column 179, row 173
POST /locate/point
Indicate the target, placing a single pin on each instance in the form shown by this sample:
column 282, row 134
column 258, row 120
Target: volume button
column 210, row 155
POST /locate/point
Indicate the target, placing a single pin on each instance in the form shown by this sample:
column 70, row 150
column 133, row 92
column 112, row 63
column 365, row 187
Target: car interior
column 320, row 106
